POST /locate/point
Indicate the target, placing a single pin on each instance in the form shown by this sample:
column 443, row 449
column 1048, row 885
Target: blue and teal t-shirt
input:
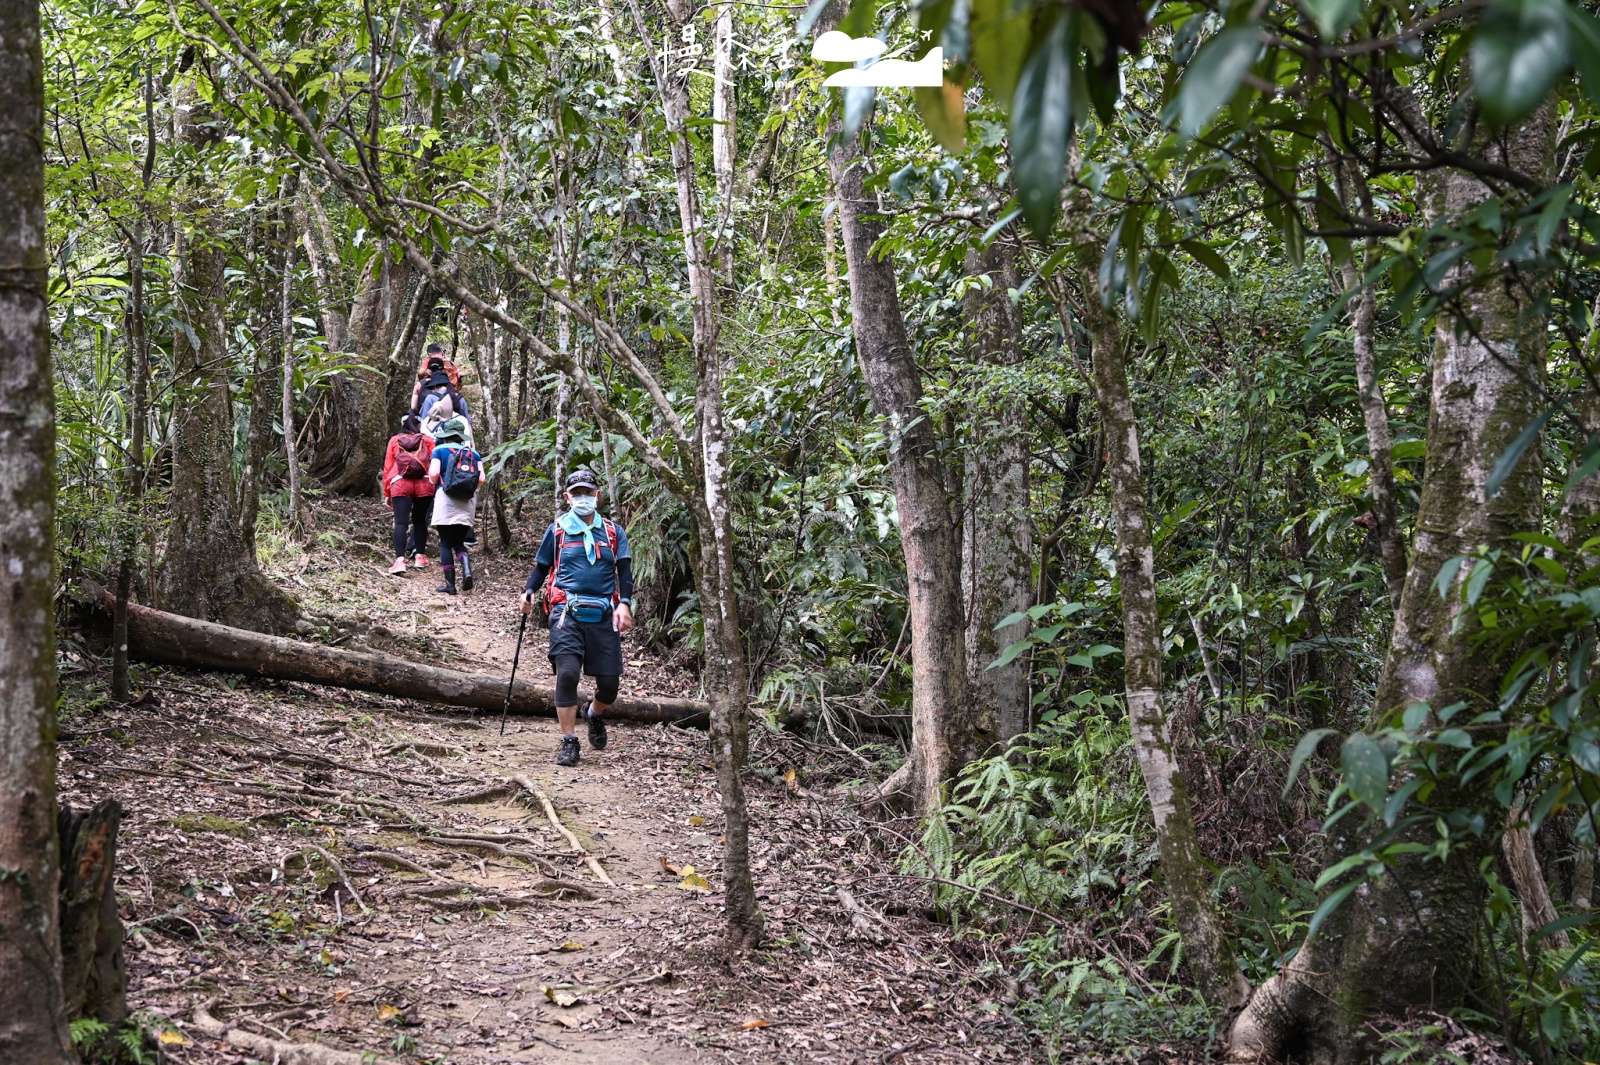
column 579, row 574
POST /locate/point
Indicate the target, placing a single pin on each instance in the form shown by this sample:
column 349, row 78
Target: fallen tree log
column 169, row 639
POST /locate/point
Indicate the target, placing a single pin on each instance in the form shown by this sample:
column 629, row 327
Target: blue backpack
column 460, row 472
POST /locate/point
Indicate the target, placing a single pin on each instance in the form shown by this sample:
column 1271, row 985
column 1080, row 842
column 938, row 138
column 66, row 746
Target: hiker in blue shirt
column 586, row 570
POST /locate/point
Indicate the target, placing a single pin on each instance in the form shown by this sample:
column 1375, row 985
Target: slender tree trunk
column 350, row 457
column 208, row 570
column 137, row 365
column 948, row 729
column 335, row 319
column 1182, row 865
column 33, row 1020
column 1380, row 445
column 264, row 394
column 299, row 513
column 727, row 671
column 1409, row 938
column 997, row 533
column 724, row 139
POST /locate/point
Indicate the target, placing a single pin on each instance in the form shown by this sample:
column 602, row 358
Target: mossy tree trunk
column 996, row 528
column 209, row 570
column 33, row 1018
column 1183, row 869
column 1410, row 938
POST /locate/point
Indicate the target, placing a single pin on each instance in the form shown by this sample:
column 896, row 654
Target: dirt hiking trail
column 311, row 865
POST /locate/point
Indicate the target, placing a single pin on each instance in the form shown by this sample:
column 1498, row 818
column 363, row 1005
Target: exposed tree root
column 284, row 1053
column 550, row 812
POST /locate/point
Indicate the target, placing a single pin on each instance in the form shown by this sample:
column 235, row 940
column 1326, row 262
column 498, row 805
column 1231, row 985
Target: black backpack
column 460, row 472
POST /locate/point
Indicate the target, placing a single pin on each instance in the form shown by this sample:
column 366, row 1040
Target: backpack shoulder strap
column 616, row 572
column 555, row 562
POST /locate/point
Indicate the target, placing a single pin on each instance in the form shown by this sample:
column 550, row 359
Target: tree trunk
column 335, row 320
column 1380, row 445
column 1182, row 866
column 168, row 639
column 350, row 452
column 92, row 971
column 997, row 531
column 948, row 729
column 712, row 549
column 208, row 570
column 265, row 375
column 137, row 369
column 34, row 1028
column 1410, row 938
column 299, row 513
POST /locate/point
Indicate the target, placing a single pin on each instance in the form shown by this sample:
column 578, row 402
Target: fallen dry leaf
column 566, row 1022
column 754, row 1022
column 668, row 867
column 560, row 997
column 692, row 881
column 697, row 820
column 570, row 945
column 387, row 1012
column 173, row 1038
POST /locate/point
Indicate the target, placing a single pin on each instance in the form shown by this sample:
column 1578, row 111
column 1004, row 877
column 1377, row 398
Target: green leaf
column 1303, row 750
column 1333, row 17
column 1366, row 770
column 1585, row 753
column 1329, row 904
column 1519, row 51
column 1512, row 455
column 858, row 101
column 1041, row 123
column 1213, row 76
column 999, row 43
column 1011, row 619
column 943, row 111
column 1584, row 40
column 1206, row 256
column 1478, row 580
column 1447, row 575
column 1011, row 651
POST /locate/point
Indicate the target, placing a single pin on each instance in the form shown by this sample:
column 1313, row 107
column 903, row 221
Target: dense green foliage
column 1210, row 201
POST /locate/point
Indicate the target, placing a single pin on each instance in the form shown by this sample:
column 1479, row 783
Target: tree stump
column 94, row 978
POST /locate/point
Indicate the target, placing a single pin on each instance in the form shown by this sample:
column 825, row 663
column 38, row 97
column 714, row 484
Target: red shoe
column 398, row 569
column 421, row 562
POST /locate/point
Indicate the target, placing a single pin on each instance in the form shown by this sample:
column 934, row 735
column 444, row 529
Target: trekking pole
column 506, row 709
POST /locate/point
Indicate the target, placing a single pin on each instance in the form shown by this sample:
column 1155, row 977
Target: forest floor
column 312, row 864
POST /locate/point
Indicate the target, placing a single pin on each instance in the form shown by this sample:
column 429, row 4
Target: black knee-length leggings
column 568, row 669
column 411, row 516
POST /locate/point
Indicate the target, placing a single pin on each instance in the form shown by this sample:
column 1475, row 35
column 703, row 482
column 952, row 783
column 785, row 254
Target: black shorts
column 596, row 642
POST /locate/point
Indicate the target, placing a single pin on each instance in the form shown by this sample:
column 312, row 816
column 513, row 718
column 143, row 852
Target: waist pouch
column 587, row 608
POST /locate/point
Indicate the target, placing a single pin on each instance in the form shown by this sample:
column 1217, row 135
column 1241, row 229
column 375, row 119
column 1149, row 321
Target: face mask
column 583, row 506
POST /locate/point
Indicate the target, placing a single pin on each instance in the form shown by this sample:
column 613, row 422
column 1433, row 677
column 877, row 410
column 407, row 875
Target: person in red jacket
column 409, row 492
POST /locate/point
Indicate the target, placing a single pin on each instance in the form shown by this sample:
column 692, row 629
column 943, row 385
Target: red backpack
column 550, row 596
column 408, row 457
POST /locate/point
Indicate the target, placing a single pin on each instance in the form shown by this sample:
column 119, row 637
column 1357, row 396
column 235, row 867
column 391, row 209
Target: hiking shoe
column 568, row 756
column 447, row 588
column 398, row 569
column 597, row 727
column 465, row 564
column 421, row 562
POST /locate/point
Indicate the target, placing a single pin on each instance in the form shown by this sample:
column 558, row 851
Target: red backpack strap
column 616, row 574
column 550, row 581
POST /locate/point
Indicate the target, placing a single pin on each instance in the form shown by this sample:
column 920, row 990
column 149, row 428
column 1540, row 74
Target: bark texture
column 996, row 530
column 712, row 550
column 92, row 970
column 1182, row 865
column 1408, row 938
column 355, row 430
column 209, row 570
column 168, row 639
column 948, row 729
column 33, row 1019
